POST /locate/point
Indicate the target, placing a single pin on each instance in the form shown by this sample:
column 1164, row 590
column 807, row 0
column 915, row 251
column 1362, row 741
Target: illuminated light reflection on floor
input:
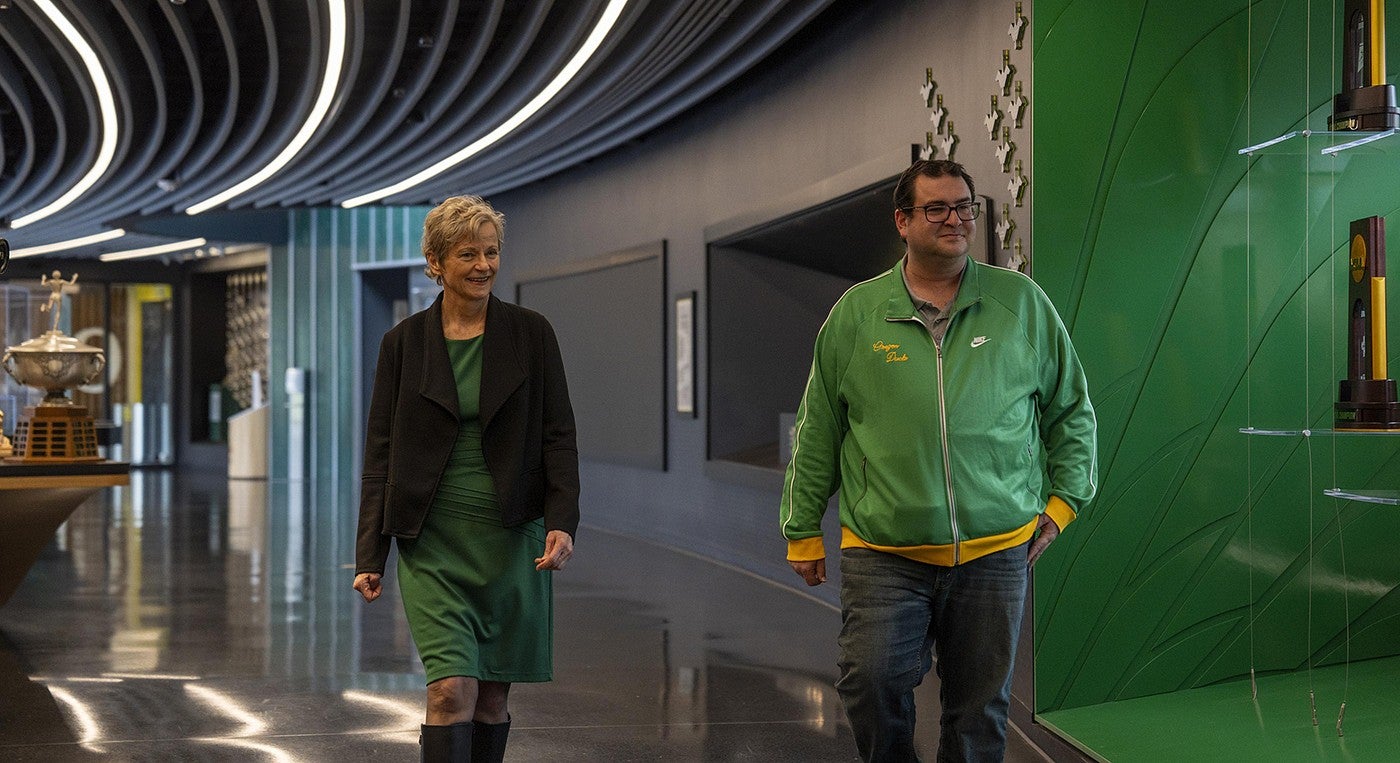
column 184, row 612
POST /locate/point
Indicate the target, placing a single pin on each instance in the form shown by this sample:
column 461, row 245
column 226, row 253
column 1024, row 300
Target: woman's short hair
column 456, row 220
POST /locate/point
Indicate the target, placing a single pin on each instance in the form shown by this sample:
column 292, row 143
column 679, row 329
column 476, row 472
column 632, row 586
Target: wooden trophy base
column 54, row 434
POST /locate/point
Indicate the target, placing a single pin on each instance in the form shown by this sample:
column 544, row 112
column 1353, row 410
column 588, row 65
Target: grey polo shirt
column 935, row 320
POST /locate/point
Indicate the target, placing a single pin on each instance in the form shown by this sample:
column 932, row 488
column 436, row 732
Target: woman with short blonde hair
column 471, row 468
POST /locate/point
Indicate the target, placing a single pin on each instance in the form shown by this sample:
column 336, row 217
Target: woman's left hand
column 558, row 547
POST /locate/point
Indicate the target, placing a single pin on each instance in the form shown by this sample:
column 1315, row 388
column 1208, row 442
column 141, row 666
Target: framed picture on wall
column 685, row 354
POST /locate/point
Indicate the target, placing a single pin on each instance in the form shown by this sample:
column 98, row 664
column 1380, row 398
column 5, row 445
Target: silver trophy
column 57, row 429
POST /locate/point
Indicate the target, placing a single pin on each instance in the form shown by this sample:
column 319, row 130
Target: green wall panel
column 1201, row 288
column 278, row 349
column 315, row 322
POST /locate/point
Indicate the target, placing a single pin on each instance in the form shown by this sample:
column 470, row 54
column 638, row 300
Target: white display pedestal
column 247, row 444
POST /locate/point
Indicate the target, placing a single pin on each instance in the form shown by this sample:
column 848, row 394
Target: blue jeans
column 896, row 616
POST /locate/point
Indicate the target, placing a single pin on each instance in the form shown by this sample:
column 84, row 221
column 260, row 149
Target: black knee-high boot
column 447, row 744
column 489, row 741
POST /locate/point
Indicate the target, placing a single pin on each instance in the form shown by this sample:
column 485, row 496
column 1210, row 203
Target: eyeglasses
column 937, row 213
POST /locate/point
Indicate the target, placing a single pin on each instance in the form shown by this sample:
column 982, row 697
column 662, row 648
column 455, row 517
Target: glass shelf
column 1270, row 432
column 1387, row 497
column 1300, row 142
column 1259, row 432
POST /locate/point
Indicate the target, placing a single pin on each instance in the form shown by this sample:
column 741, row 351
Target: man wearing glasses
column 947, row 405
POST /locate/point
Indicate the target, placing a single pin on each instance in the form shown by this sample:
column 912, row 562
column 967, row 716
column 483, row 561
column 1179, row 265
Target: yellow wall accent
column 139, row 295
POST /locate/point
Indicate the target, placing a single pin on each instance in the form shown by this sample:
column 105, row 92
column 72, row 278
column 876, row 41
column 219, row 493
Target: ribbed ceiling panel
column 209, row 91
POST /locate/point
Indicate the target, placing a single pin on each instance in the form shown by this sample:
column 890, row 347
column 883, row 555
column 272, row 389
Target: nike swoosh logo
column 979, row 341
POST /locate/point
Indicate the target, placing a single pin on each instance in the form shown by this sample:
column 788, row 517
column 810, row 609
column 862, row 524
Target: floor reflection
column 188, row 617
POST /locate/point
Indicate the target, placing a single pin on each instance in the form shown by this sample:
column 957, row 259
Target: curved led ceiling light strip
column 151, row 251
column 572, row 68
column 335, row 62
column 106, row 106
column 72, row 243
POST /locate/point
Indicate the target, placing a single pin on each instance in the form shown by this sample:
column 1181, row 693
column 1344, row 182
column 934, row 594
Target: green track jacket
column 938, row 452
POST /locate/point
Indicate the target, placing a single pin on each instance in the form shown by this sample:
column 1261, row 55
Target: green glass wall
column 315, row 320
column 1202, row 289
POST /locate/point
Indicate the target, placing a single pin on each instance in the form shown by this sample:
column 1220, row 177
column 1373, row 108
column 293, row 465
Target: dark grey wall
column 835, row 111
column 764, row 316
column 609, row 317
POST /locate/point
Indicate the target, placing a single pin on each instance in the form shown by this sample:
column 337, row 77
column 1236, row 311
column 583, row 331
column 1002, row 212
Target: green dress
column 476, row 605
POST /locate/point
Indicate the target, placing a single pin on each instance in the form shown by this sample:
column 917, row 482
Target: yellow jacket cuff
column 1060, row 511
column 806, row 549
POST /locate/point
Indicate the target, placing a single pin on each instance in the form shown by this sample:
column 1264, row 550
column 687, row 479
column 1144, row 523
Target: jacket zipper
column 943, row 439
column 947, row 457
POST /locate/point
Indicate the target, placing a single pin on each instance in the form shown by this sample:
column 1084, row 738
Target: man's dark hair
column 933, row 168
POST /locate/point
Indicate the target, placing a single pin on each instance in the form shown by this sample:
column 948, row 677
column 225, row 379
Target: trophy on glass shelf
column 57, row 429
column 1366, row 399
column 1367, row 101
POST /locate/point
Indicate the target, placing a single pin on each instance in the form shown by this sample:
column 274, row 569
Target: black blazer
column 527, row 427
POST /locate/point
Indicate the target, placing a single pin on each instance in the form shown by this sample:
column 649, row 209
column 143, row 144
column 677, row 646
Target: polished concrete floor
column 186, row 618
